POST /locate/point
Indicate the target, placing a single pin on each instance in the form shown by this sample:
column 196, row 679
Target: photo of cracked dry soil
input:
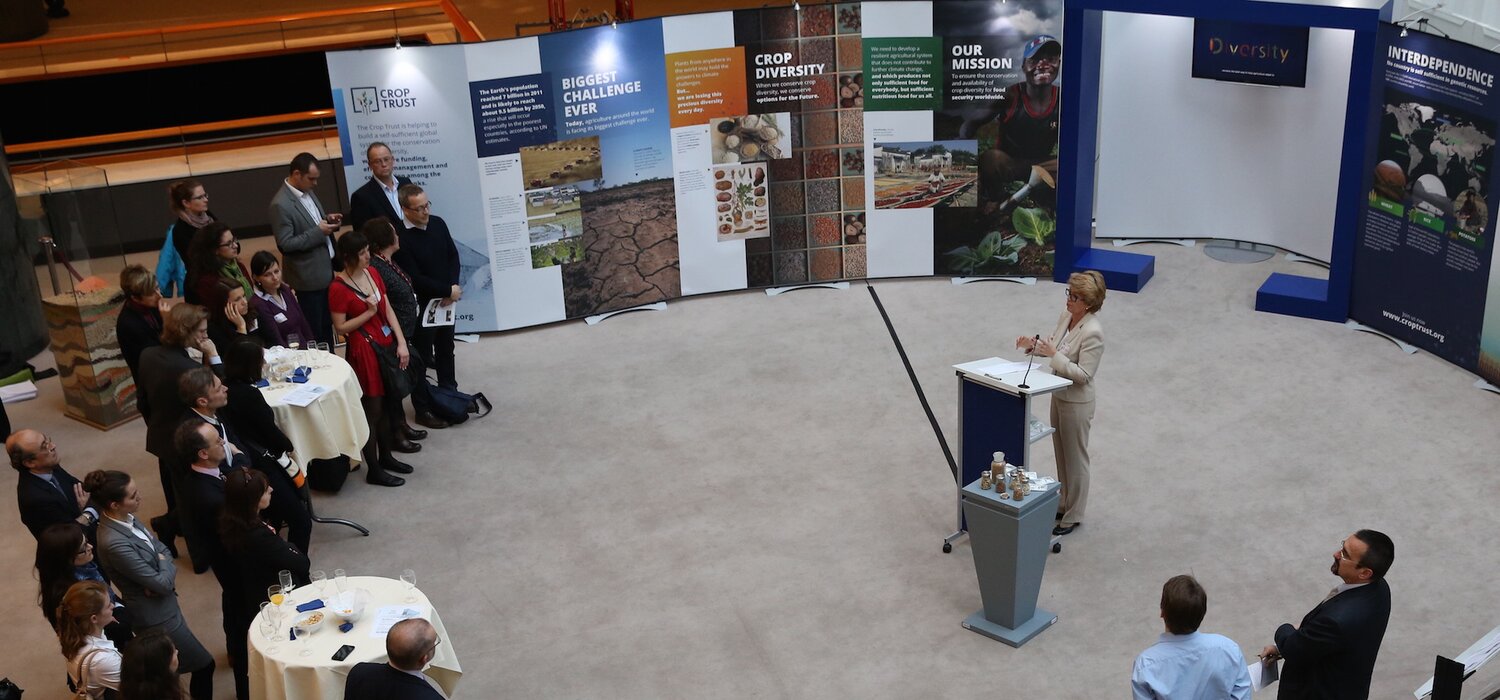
column 629, row 250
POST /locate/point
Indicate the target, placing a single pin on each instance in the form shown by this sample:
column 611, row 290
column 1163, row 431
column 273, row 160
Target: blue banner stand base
column 1128, row 272
column 1354, row 325
column 1294, row 295
column 1017, row 280
column 1010, row 637
column 658, row 306
column 1184, row 242
column 773, row 291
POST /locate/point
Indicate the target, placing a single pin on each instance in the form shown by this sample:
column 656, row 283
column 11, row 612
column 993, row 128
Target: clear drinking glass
column 319, row 582
column 409, row 579
column 275, row 594
column 270, row 626
column 285, row 577
column 293, row 341
column 340, row 581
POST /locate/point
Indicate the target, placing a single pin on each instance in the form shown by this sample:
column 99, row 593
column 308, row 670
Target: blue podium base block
column 1012, row 637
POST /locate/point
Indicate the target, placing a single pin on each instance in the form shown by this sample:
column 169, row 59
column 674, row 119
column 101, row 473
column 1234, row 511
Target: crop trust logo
column 1270, row 52
column 365, row 99
column 368, row 100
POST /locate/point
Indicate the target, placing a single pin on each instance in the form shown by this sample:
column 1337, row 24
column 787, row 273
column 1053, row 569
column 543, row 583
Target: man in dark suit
column 378, row 197
column 304, row 235
column 45, row 493
column 411, row 645
column 429, row 256
column 185, row 326
column 1331, row 655
column 204, row 395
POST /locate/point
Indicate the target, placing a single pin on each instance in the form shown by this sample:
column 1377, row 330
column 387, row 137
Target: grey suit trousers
column 1071, row 444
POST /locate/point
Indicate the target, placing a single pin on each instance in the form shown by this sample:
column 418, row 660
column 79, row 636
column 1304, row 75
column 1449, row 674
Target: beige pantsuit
column 1079, row 350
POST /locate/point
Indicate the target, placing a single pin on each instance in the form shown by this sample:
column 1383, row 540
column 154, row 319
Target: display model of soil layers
column 561, row 162
column 629, row 250
column 740, row 200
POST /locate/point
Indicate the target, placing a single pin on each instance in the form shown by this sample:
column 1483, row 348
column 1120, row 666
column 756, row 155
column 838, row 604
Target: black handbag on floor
column 327, row 475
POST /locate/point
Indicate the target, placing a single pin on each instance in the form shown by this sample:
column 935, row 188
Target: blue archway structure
column 1083, row 24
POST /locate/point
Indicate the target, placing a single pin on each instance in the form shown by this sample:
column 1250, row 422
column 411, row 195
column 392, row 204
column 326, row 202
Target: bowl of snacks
column 349, row 605
column 309, row 622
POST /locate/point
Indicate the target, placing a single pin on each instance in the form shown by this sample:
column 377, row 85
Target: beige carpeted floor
column 740, row 496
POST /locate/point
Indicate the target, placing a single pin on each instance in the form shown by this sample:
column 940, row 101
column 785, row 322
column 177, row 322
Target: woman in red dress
column 357, row 303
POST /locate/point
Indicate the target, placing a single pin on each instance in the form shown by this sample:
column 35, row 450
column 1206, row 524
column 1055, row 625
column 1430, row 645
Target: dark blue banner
column 1242, row 52
column 1427, row 235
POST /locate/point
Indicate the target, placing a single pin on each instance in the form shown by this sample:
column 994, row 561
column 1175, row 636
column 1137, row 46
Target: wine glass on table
column 409, row 580
column 270, row 625
column 275, row 594
column 293, row 341
column 340, row 580
column 319, row 581
column 285, row 578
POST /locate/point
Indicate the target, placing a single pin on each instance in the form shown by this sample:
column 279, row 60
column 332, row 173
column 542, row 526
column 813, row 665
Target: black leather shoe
column 427, row 420
column 1059, row 531
column 380, row 478
column 395, row 465
column 161, row 526
column 406, row 446
column 413, row 434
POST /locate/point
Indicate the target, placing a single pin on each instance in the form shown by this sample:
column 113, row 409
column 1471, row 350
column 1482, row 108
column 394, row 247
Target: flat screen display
column 1245, row 52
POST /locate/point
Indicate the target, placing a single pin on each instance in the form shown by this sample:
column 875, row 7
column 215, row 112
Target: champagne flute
column 340, row 581
column 275, row 595
column 285, row 577
column 409, row 579
column 270, row 626
column 319, row 581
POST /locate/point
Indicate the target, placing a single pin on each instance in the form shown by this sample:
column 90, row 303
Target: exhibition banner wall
column 1426, row 245
column 599, row 169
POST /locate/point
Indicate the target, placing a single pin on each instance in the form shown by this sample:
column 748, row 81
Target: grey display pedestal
column 1009, row 539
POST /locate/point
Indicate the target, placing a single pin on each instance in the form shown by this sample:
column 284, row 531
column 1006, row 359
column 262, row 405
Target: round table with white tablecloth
column 286, row 674
column 333, row 424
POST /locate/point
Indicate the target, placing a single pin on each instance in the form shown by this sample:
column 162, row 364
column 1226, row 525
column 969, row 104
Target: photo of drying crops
column 925, row 174
column 629, row 250
column 753, row 137
column 552, row 200
column 561, row 162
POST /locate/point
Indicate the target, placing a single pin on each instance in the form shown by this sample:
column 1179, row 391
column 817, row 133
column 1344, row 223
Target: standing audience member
column 185, row 326
column 1332, row 653
column 203, row 494
column 65, row 557
column 304, row 235
column 204, row 394
column 148, row 670
column 190, row 203
column 140, row 566
column 378, row 197
column 361, row 314
column 281, row 317
column 255, row 428
column 410, row 645
column 139, row 323
column 1184, row 663
column 403, row 298
column 231, row 319
column 46, row 494
column 429, row 255
column 256, row 552
column 214, row 256
column 93, row 661
column 1076, row 347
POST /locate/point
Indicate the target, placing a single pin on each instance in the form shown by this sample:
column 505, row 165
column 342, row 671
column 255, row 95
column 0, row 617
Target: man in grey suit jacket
column 304, row 235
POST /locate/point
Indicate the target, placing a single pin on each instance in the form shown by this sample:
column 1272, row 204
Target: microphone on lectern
column 1034, row 340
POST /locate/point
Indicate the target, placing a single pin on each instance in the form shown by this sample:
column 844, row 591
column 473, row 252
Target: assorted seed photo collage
column 816, row 192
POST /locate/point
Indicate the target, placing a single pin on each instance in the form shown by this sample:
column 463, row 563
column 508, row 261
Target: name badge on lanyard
column 386, row 331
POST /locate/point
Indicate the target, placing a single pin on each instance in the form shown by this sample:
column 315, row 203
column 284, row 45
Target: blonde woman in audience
column 93, row 661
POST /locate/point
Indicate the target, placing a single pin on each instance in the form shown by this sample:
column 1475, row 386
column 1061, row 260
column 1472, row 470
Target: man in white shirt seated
column 1186, row 664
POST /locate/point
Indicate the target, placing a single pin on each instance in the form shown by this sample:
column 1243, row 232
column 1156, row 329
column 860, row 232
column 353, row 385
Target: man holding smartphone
column 304, row 235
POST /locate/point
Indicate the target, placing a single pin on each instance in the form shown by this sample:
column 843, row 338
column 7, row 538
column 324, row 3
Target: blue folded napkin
column 298, row 379
column 303, row 371
column 346, row 627
column 293, row 630
column 310, row 605
column 263, row 384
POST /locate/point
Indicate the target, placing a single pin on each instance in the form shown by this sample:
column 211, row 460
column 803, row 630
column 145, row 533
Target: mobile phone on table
column 343, row 652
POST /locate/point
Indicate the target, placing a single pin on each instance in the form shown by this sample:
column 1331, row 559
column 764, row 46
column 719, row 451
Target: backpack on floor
column 454, row 406
column 327, row 475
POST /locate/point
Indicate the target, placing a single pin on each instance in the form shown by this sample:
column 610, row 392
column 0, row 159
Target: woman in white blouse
column 93, row 661
column 1075, row 348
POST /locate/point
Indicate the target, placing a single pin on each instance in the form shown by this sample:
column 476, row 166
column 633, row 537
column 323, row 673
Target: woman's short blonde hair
column 179, row 324
column 1088, row 286
column 137, row 281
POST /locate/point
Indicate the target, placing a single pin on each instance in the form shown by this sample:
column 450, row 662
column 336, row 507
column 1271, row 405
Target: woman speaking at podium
column 1075, row 348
